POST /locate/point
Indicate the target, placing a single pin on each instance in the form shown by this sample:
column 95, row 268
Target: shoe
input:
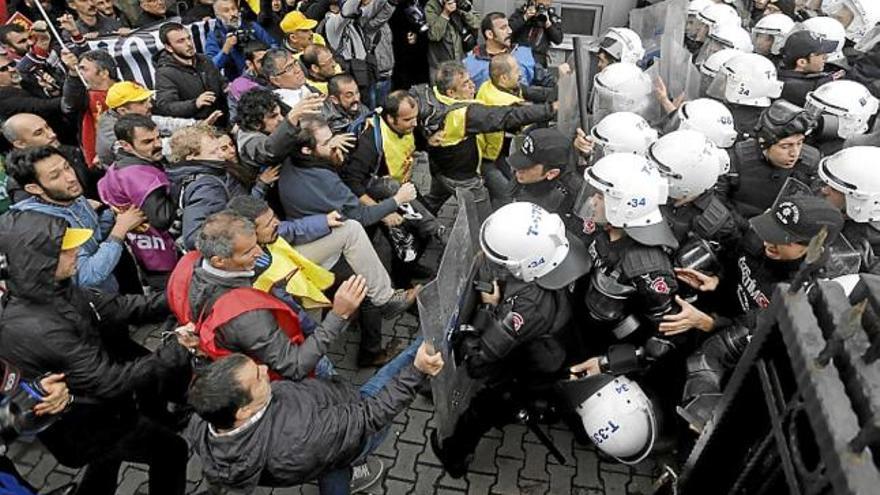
column 382, row 357
column 456, row 467
column 367, row 474
column 400, row 301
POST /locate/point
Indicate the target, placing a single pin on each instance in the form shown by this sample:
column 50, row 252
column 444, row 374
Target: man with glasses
column 188, row 85
column 285, row 77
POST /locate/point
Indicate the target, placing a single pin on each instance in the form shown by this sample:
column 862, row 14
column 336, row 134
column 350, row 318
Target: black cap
column 547, row 146
column 797, row 219
column 801, row 44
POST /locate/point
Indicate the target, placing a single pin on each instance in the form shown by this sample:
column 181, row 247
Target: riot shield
column 650, row 22
column 585, row 69
column 675, row 66
column 447, row 302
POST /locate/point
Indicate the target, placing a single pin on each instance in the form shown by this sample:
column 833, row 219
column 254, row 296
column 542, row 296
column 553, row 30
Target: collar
column 247, row 424
column 223, row 273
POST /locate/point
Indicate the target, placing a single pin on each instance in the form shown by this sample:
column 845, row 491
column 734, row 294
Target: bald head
column 504, row 71
column 24, row 130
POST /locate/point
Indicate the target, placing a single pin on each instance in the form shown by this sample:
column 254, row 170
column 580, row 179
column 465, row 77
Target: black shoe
column 369, row 360
column 367, row 474
column 456, row 466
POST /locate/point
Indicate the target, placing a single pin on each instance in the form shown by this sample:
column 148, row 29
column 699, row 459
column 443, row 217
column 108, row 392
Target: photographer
column 536, row 24
column 224, row 44
column 452, row 31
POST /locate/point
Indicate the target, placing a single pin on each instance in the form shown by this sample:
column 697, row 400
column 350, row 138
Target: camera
column 244, row 35
column 415, row 16
column 543, row 13
column 464, row 5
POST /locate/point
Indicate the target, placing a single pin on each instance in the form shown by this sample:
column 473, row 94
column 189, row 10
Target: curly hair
column 253, row 106
column 188, row 141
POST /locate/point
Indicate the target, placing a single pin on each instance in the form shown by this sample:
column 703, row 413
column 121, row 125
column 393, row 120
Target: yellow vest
column 306, row 284
column 398, row 151
column 455, row 123
column 490, row 143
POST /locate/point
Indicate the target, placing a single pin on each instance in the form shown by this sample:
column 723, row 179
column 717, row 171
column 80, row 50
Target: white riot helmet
column 830, row 29
column 621, row 132
column 847, row 101
column 616, row 414
column 723, row 36
column 769, row 33
column 689, row 161
column 854, row 172
column 533, row 245
column 626, row 191
column 719, row 13
column 710, row 67
column 857, row 16
column 711, row 118
column 621, row 87
column 747, row 79
column 695, row 29
column 623, row 45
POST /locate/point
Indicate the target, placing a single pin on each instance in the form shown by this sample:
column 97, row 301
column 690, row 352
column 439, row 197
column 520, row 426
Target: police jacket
column 865, row 238
column 752, row 184
column 798, row 84
column 457, row 156
column 706, row 217
column 745, row 118
column 516, row 337
column 556, row 196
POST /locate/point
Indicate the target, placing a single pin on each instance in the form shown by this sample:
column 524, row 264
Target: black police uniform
column 516, row 348
column 865, row 238
column 745, row 118
column 798, row 84
column 556, row 196
column 752, row 184
column 706, row 217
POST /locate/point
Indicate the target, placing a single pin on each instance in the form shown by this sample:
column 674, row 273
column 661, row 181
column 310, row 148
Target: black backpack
column 432, row 111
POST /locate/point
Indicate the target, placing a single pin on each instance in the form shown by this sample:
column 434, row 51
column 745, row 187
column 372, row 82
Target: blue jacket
column 232, row 64
column 98, row 256
column 311, row 188
column 477, row 63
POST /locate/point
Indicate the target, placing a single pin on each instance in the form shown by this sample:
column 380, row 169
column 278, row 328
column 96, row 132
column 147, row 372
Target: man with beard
column 343, row 108
column 88, row 20
column 188, row 85
column 25, row 130
column 109, row 10
column 223, row 45
column 55, row 190
column 138, row 179
column 50, row 325
column 98, row 70
column 16, row 40
column 497, row 33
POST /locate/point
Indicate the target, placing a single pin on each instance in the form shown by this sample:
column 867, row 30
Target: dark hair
column 10, row 28
column 252, row 47
column 125, row 126
column 488, row 19
column 254, row 105
column 310, row 55
column 307, row 127
column 333, row 85
column 167, row 28
column 248, row 206
column 216, row 393
column 21, row 164
column 446, row 73
column 395, row 99
column 102, row 59
column 271, row 62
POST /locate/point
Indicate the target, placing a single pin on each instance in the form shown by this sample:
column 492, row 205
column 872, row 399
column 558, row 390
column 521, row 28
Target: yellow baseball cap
column 74, row 238
column 296, row 21
column 126, row 92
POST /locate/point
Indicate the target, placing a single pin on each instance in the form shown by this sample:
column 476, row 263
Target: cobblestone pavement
column 508, row 461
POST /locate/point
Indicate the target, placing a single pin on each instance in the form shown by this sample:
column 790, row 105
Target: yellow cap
column 74, row 238
column 295, row 21
column 126, row 92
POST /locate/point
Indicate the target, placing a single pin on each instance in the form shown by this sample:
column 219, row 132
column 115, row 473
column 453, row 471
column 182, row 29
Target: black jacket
column 178, row 86
column 50, row 326
column 533, row 34
column 798, row 84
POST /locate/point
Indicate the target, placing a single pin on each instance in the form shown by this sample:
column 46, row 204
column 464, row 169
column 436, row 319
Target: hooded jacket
column 178, row 85
column 201, row 189
column 307, row 429
column 52, row 326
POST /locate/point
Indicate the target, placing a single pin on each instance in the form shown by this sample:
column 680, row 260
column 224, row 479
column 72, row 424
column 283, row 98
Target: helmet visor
column 710, row 47
column 717, row 88
column 604, row 102
column 695, row 29
column 764, row 43
column 590, row 204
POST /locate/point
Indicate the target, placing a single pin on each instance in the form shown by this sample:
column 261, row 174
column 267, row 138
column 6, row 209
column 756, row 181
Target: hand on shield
column 583, row 143
column 427, row 363
column 662, row 95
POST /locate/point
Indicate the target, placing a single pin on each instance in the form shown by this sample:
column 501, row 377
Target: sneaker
column 368, row 360
column 400, row 301
column 367, row 474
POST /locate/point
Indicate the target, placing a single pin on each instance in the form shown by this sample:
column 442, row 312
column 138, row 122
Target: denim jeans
column 338, row 481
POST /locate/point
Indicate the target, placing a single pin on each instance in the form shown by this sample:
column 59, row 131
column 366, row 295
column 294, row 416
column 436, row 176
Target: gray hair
column 446, row 74
column 274, row 61
column 218, row 233
column 9, row 131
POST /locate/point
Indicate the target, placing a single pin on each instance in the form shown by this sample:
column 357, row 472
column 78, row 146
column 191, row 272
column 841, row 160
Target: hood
column 32, row 244
column 124, row 159
column 180, row 170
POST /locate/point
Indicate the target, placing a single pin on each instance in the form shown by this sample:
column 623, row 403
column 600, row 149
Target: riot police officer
column 514, row 340
column 760, row 166
column 843, row 110
column 803, row 65
column 544, row 176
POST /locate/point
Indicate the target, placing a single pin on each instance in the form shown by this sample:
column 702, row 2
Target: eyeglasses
column 288, row 68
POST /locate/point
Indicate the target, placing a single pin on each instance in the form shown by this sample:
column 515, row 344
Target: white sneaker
column 367, row 474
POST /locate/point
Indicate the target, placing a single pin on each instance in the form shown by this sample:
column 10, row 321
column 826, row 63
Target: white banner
column 134, row 53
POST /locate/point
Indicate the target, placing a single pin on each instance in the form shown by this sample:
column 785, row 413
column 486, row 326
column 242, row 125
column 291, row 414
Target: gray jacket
column 343, row 35
column 256, row 333
column 106, row 138
column 376, row 27
column 259, row 150
column 308, row 428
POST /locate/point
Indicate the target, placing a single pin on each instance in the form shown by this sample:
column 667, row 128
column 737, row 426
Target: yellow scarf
column 398, row 152
column 490, row 144
column 306, row 284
